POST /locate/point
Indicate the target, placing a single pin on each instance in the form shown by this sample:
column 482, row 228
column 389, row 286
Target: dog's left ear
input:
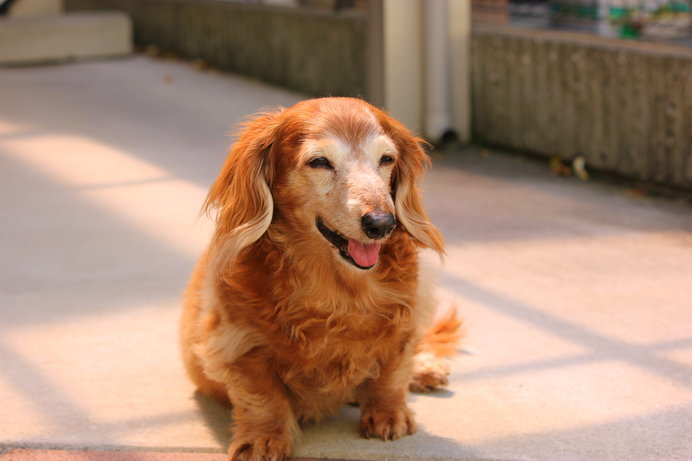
column 408, row 173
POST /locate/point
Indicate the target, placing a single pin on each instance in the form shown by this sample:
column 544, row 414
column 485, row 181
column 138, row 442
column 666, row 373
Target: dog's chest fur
column 325, row 342
column 326, row 357
column 330, row 343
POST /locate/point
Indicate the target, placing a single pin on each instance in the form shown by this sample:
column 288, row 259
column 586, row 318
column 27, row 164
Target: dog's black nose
column 378, row 224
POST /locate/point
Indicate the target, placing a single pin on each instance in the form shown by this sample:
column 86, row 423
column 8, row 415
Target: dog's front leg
column 384, row 412
column 264, row 425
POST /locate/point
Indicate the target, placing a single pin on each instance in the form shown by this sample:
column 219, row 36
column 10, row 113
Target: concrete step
column 25, row 8
column 88, row 455
column 64, row 37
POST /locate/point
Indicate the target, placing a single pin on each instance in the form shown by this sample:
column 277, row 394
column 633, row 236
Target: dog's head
column 336, row 169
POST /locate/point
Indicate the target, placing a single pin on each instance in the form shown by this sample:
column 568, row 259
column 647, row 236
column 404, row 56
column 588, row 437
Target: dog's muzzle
column 362, row 255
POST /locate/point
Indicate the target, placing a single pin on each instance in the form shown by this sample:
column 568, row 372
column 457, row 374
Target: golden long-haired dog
column 309, row 295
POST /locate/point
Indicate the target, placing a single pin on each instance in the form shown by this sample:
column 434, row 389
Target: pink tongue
column 364, row 254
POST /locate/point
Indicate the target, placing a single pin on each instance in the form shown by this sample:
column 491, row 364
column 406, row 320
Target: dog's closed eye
column 386, row 160
column 320, row 162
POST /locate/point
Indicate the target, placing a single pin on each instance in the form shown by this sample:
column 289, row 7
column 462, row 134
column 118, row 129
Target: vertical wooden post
column 403, row 63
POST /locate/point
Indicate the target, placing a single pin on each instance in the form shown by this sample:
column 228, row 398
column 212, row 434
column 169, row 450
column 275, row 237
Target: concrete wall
column 313, row 51
column 626, row 107
column 43, row 39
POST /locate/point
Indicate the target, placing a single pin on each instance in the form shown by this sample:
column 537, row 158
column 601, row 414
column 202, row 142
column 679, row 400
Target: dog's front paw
column 429, row 373
column 259, row 448
column 387, row 423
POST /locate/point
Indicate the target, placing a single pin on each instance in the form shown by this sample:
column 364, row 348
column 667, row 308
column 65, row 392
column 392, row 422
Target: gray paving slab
column 576, row 296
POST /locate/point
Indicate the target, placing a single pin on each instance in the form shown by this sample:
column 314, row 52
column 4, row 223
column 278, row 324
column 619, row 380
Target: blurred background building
column 605, row 81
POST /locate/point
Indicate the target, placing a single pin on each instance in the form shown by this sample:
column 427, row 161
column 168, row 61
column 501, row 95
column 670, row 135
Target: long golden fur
column 298, row 307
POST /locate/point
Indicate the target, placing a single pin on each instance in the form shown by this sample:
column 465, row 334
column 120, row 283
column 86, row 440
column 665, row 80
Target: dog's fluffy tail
column 440, row 341
column 442, row 338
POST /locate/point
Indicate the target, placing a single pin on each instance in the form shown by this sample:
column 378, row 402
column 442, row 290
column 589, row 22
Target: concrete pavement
column 576, row 295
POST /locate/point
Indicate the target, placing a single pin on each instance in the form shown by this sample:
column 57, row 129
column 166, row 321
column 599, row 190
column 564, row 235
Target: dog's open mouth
column 362, row 255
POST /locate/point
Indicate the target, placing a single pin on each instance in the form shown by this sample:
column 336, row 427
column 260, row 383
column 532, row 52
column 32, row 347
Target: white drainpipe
column 438, row 112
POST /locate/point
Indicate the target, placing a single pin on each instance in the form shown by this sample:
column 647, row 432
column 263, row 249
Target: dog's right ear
column 406, row 178
column 240, row 198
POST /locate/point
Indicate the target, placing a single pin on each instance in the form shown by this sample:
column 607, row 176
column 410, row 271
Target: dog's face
column 336, row 168
column 340, row 178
